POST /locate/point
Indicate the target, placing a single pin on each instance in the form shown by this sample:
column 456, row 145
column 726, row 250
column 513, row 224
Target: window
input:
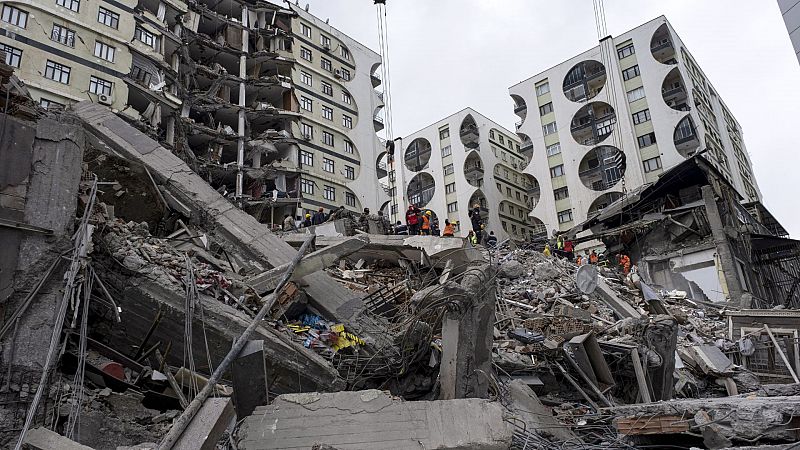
column 631, row 72
column 63, row 35
column 329, row 193
column 305, row 78
column 306, row 103
column 99, row 86
column 553, row 149
column 625, row 51
column 444, row 133
column 646, row 140
column 306, row 158
column 641, row 116
column 347, row 98
column 72, row 5
column 327, row 88
column 452, row 207
column 448, row 169
column 516, row 194
column 502, row 139
column 347, row 121
column 346, row 75
column 561, row 193
column 349, row 199
column 635, row 94
column 305, row 54
column 348, row 147
column 549, row 128
column 308, row 130
column 499, row 187
column 491, row 134
column 508, row 193
column 108, row 18
column 306, row 30
column 104, row 51
column 147, row 38
column 565, row 216
column 349, row 172
column 450, row 188
column 505, row 226
column 557, row 171
column 651, row 164
column 446, row 151
column 344, row 52
column 141, row 75
column 327, row 165
column 13, row 55
column 49, row 104
column 327, row 138
column 307, row 186
column 325, row 64
column 57, row 72
column 15, row 16
column 327, row 112
column 542, row 89
column 547, row 108
column 325, row 41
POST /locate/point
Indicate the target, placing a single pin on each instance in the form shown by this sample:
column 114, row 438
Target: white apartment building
column 613, row 118
column 791, row 17
column 463, row 160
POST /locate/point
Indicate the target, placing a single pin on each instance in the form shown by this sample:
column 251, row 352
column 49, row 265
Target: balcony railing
column 376, row 80
column 667, row 93
column 661, row 46
column 520, row 108
column 378, row 122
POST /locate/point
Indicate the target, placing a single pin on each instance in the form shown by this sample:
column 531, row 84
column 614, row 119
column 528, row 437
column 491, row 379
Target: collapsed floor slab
column 373, row 419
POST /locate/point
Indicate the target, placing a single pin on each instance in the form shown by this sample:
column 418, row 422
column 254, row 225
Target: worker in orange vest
column 625, row 262
column 426, row 223
column 449, row 229
column 593, row 258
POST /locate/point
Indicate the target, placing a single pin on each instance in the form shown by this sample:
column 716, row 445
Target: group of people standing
column 318, row 218
column 565, row 248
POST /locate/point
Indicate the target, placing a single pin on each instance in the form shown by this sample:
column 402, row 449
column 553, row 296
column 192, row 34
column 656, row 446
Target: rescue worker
column 546, row 250
column 307, row 221
column 593, row 258
column 472, row 238
column 435, row 227
column 475, row 218
column 449, row 229
column 579, row 260
column 624, row 262
column 412, row 220
column 426, row 223
column 319, row 217
column 288, row 223
column 568, row 250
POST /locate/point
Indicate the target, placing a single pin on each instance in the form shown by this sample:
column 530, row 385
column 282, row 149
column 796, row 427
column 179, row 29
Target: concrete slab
column 373, row 419
column 207, row 427
column 249, row 372
column 44, row 439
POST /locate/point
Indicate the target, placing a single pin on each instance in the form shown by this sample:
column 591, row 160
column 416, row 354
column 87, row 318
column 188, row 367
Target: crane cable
column 383, row 41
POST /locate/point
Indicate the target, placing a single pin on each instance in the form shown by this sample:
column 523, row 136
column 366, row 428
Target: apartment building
column 791, row 17
column 613, row 118
column 276, row 108
column 460, row 161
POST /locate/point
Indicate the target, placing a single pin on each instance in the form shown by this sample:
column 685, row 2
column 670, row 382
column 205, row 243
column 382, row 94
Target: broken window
column 62, row 35
column 141, row 75
column 448, row 169
column 99, row 86
column 108, row 18
column 327, row 88
column 327, row 138
column 327, row 165
column 651, row 164
column 306, row 158
column 349, row 172
column 72, row 5
column 104, row 51
column 50, row 104
column 307, row 186
column 349, row 199
column 326, row 64
column 15, row 16
column 347, row 121
column 565, row 216
column 306, row 104
column 57, row 72
column 329, row 193
column 327, row 112
column 13, row 55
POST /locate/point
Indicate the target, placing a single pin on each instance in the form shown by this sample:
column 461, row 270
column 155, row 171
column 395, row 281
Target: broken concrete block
column 527, row 407
column 207, row 427
column 711, row 360
column 44, row 439
column 249, row 372
column 511, row 269
column 373, row 419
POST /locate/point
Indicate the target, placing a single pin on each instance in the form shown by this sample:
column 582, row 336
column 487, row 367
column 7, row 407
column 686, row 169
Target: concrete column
column 249, row 372
column 724, row 251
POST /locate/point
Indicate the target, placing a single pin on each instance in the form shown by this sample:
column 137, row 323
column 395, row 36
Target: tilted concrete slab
column 223, row 220
column 207, row 427
column 44, row 439
column 373, row 419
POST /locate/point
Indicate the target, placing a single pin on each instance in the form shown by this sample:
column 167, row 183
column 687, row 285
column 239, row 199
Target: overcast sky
column 449, row 54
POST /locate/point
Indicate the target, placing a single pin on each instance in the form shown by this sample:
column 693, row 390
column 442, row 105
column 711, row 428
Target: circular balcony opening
column 585, row 80
column 479, row 199
column 473, row 169
column 602, row 168
column 538, row 229
column 470, row 136
column 526, row 147
column 532, row 190
column 661, row 46
column 520, row 108
column 674, row 92
column 685, row 137
column 602, row 201
column 417, row 155
column 593, row 123
column 421, row 189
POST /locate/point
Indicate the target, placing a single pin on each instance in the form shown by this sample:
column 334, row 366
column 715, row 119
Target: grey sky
column 449, row 54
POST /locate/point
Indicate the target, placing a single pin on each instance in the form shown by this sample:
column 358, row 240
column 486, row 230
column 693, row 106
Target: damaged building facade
column 276, row 108
column 458, row 162
column 617, row 116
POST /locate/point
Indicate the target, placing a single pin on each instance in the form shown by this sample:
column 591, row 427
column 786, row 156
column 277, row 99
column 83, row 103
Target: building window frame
column 327, row 88
column 326, row 64
column 327, row 112
column 452, row 207
column 561, row 193
column 444, row 133
column 329, row 193
column 327, row 138
column 63, row 35
column 306, row 158
column 545, row 109
column 640, row 117
column 350, row 172
column 565, row 216
column 550, row 128
column 635, row 94
column 446, row 151
column 651, row 164
column 350, row 199
column 557, row 171
column 349, row 147
column 448, row 169
column 72, row 5
column 646, row 140
column 57, row 72
column 306, row 103
column 542, row 89
column 631, row 73
column 347, row 121
column 328, row 165
column 347, row 98
column 306, row 54
column 13, row 55
column 305, row 30
column 100, row 86
column 307, row 130
column 306, row 78
column 104, row 51
column 108, row 18
column 324, row 41
column 147, row 38
column 15, row 16
column 346, row 75
column 307, row 186
column 450, row 188
column 553, row 149
column 625, row 51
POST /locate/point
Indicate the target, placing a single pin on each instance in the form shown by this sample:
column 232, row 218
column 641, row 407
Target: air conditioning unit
column 337, row 73
column 105, row 99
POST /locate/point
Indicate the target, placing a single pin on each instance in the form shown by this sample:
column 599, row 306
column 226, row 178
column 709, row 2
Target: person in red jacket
column 624, row 262
column 412, row 220
column 569, row 250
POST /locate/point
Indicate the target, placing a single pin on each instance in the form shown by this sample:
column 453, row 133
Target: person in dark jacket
column 319, row 217
column 475, row 218
column 401, row 229
column 307, row 221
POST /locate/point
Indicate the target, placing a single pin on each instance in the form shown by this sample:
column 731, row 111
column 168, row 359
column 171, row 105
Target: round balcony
column 593, row 123
column 585, row 80
column 685, row 137
column 661, row 46
column 473, row 169
column 602, row 168
column 417, row 154
column 421, row 189
column 470, row 136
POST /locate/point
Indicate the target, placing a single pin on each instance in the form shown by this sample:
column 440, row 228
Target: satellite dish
column 586, row 278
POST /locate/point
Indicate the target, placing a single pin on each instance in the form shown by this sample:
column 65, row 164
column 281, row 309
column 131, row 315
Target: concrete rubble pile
column 145, row 310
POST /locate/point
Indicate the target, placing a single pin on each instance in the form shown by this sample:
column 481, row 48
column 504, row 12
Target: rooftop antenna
column 307, row 7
